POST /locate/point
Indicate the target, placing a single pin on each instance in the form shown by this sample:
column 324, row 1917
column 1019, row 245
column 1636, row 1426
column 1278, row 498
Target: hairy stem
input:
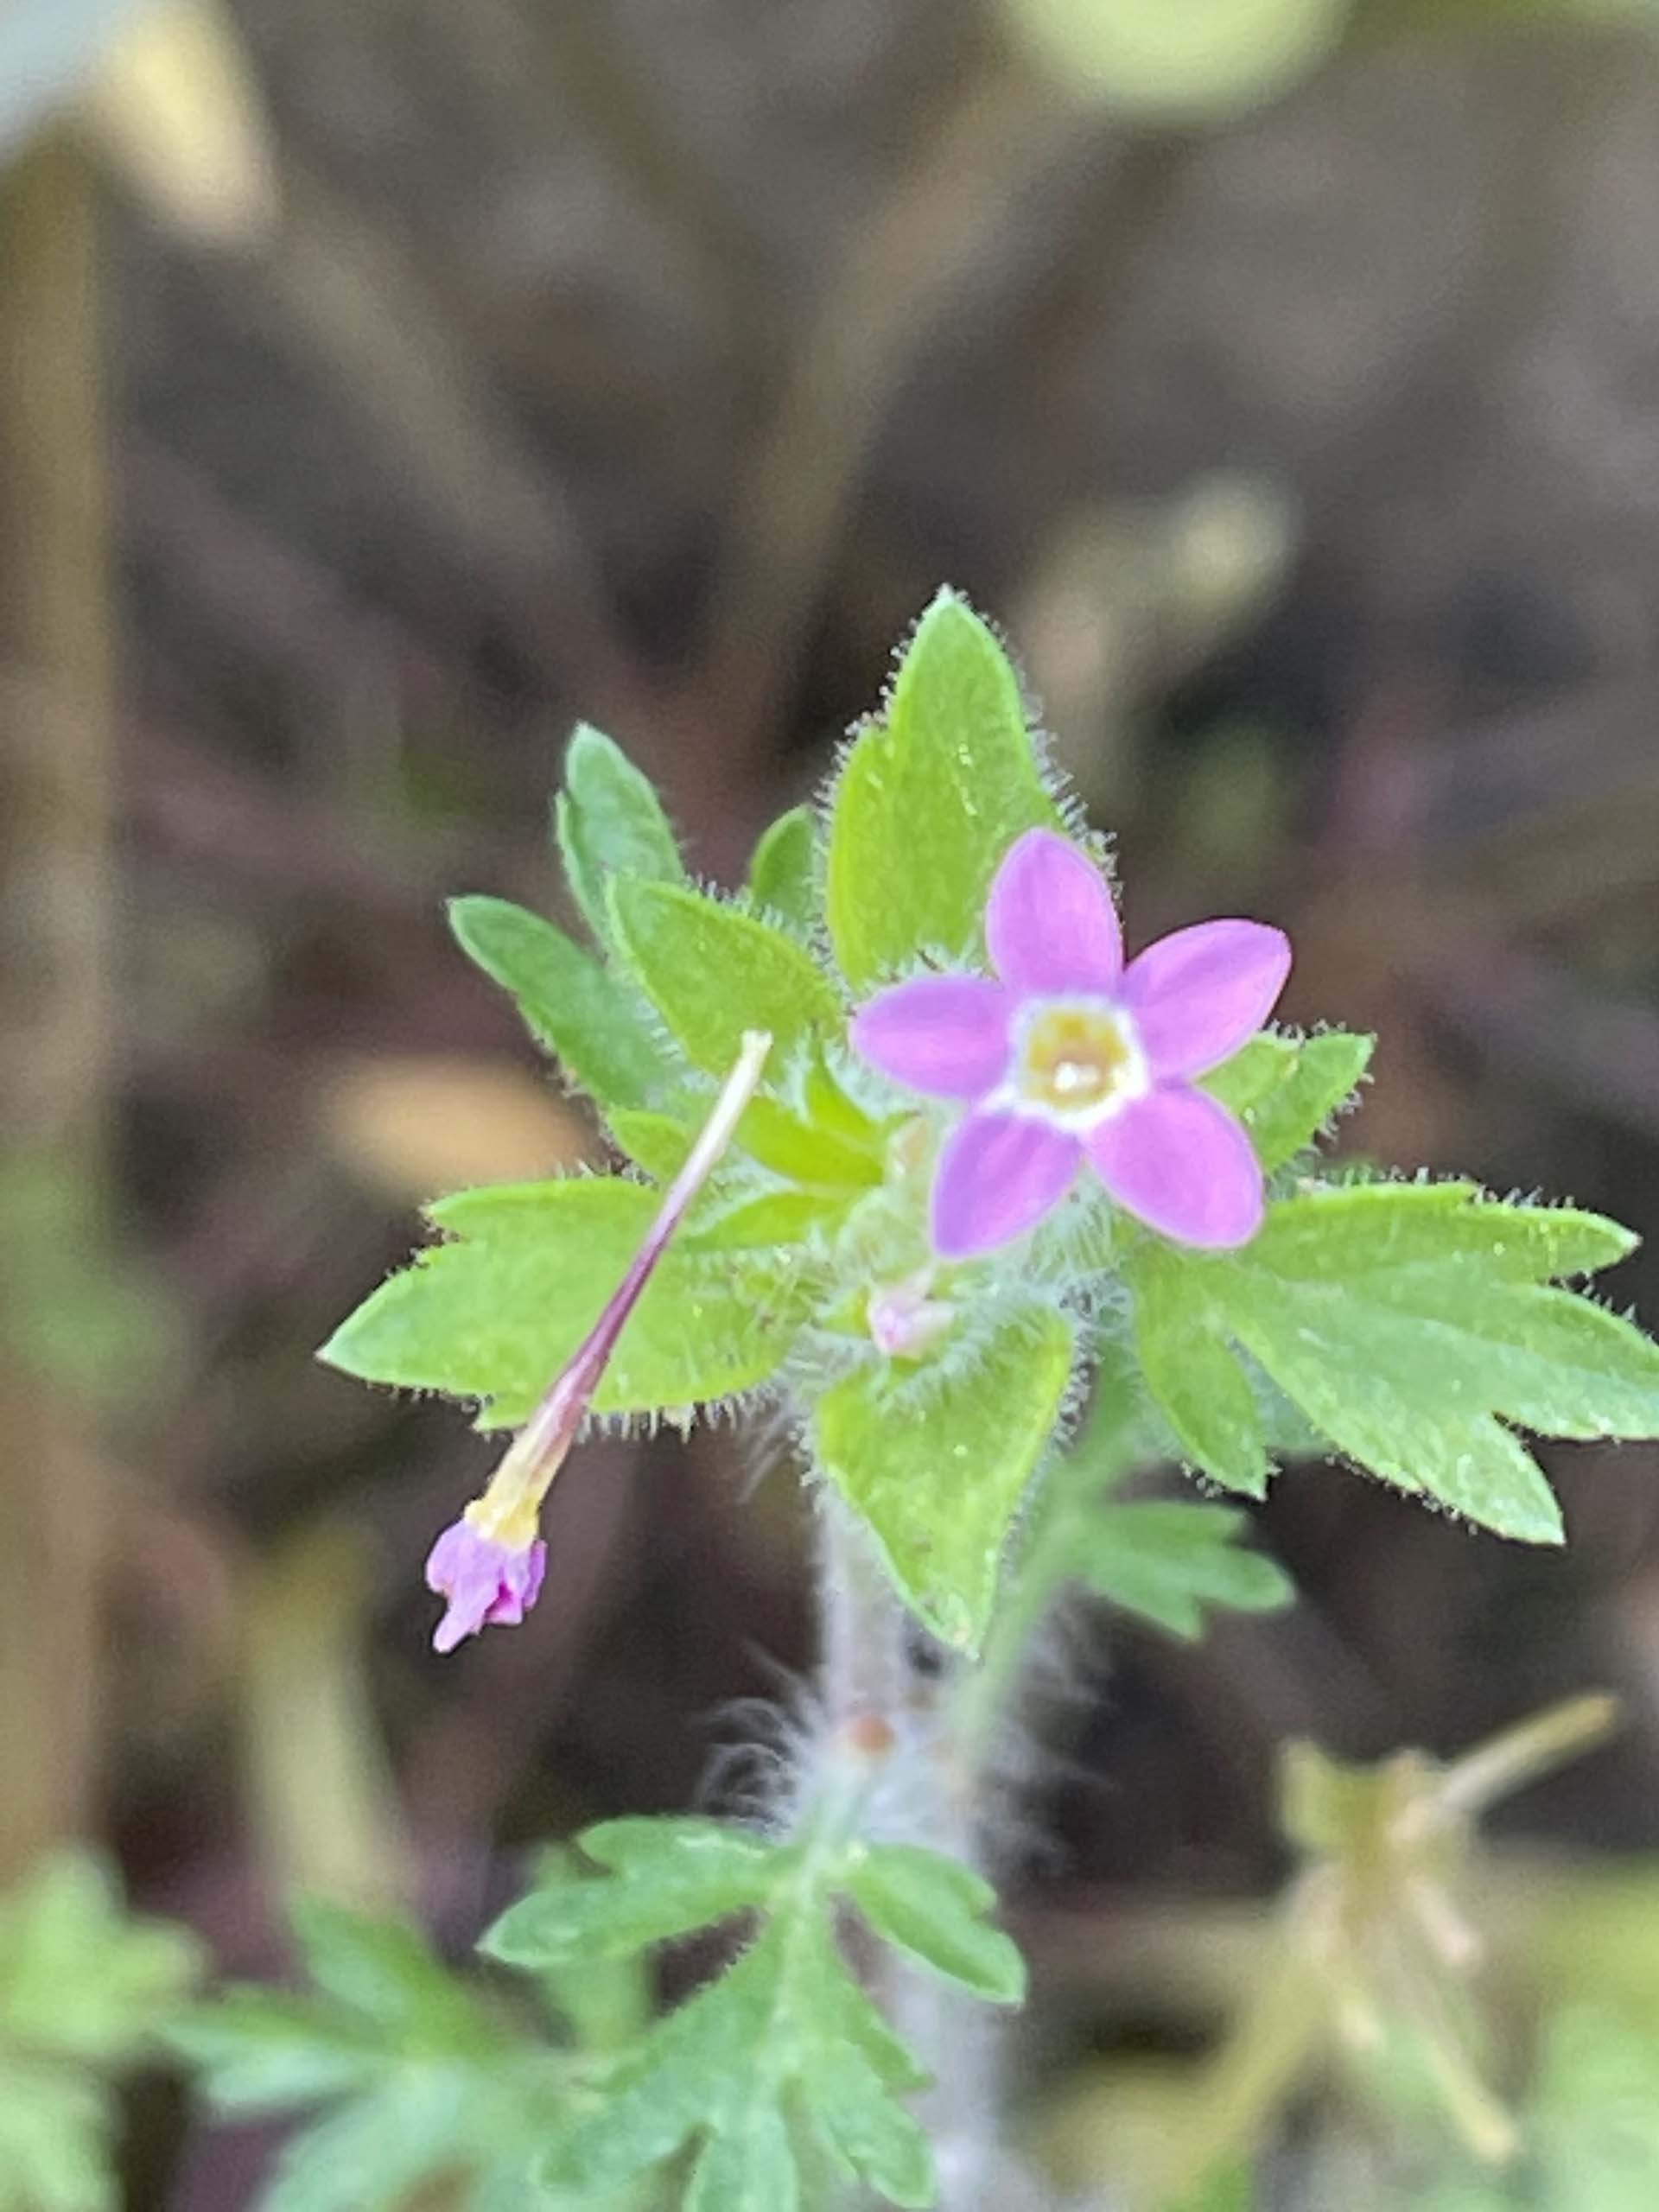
column 886, row 1685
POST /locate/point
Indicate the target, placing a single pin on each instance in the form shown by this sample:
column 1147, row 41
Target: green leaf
column 851, row 2067
column 495, row 1316
column 749, row 2167
column 782, row 873
column 262, row 2051
column 872, row 2136
column 381, row 1967
column 1202, row 1391
column 668, row 1878
column 420, row 2084
column 582, row 1015
column 830, row 1108
column 1328, row 1071
column 1404, row 1320
column 1386, row 1226
column 56, row 2149
column 1285, row 1091
column 79, row 1978
column 780, row 1218
column 1256, row 1070
column 605, row 2003
column 609, row 823
column 781, row 2062
column 84, row 1989
column 713, row 972
column 937, row 1465
column 838, row 2013
column 804, row 1152
column 1228, row 2188
column 930, row 799
column 699, row 2070
column 1168, row 1560
column 655, row 1142
column 935, row 1909
column 425, row 2126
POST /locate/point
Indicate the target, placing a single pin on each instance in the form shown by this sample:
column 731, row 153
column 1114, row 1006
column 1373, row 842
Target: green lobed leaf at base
column 1407, row 1322
column 781, row 2073
column 417, row 2084
column 785, row 2030
column 494, row 1316
column 929, row 800
column 937, row 1468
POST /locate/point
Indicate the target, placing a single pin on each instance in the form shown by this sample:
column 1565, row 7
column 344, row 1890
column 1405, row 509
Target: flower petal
column 1197, row 995
column 485, row 1582
column 946, row 1035
column 1050, row 922
column 1181, row 1163
column 998, row 1175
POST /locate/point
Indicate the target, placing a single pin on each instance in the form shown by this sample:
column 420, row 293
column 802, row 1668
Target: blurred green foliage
column 86, row 1990
column 1179, row 60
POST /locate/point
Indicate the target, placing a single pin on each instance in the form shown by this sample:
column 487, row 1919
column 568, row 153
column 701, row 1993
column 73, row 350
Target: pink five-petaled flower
column 1072, row 1055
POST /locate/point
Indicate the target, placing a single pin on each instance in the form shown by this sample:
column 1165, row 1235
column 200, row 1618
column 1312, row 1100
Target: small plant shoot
column 929, row 1150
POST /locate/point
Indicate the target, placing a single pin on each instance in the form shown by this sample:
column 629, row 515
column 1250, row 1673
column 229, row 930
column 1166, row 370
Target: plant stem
column 885, row 1682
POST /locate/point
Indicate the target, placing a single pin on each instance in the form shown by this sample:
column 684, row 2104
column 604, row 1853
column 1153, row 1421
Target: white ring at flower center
column 1105, row 1079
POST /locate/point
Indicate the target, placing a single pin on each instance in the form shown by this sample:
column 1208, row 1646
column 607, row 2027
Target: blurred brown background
column 385, row 385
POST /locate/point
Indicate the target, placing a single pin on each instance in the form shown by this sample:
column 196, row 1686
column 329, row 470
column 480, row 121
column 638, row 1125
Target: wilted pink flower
column 489, row 1563
column 486, row 1579
column 1072, row 1055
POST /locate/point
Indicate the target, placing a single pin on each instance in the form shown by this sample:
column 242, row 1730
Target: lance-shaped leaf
column 495, row 1315
column 930, row 798
column 609, row 823
column 783, row 872
column 713, row 973
column 1406, row 1321
column 587, row 1018
column 1287, row 1091
column 937, row 1465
